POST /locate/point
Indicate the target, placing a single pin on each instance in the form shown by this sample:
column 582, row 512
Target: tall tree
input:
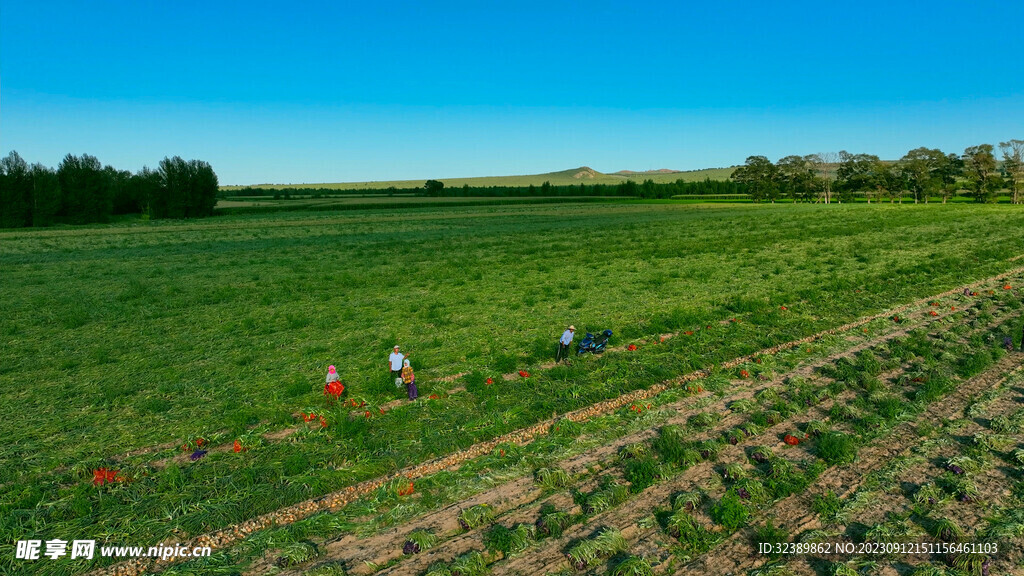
column 85, row 190
column 920, row 171
column 823, row 163
column 433, row 187
column 1013, row 166
column 758, row 174
column 948, row 173
column 856, row 173
column 15, row 192
column 174, row 187
column 204, row 186
column 46, row 196
column 980, row 171
column 797, row 176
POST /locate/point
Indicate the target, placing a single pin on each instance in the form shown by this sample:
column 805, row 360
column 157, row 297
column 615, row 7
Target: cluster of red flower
column 101, row 476
column 334, row 389
column 791, row 440
column 639, row 408
column 406, row 490
column 490, row 381
column 1007, row 287
column 694, row 388
column 631, row 347
column 933, row 312
column 744, row 374
column 783, row 308
column 524, row 373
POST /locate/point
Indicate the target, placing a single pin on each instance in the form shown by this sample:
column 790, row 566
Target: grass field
column 574, row 177
column 122, row 343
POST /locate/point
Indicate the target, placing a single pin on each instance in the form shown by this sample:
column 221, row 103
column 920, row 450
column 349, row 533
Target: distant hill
column 583, row 174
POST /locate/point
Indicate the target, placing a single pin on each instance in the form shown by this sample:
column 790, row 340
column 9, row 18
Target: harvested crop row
column 336, row 500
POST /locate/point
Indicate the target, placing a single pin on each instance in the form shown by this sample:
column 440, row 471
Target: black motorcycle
column 594, row 344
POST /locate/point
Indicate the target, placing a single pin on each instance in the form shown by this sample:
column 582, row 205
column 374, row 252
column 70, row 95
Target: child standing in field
column 410, row 381
column 333, row 386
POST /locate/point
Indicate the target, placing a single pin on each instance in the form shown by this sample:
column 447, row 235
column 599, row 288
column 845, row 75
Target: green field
column 574, row 177
column 121, row 338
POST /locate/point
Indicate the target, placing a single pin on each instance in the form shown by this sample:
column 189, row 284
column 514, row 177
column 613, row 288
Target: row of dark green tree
column 81, row 191
column 921, row 174
column 435, row 188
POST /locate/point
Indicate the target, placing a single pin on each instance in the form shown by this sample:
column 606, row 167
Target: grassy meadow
column 122, row 338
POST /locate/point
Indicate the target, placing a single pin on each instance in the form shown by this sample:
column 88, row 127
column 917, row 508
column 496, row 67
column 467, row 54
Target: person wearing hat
column 395, row 362
column 563, row 344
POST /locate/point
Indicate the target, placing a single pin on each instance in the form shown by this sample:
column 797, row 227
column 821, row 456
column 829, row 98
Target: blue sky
column 351, row 91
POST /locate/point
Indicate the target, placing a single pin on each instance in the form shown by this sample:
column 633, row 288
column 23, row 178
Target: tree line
column 81, row 190
column 435, row 188
column 921, row 173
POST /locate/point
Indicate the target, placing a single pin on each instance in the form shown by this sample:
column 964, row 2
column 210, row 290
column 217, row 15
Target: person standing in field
column 563, row 344
column 410, row 381
column 395, row 362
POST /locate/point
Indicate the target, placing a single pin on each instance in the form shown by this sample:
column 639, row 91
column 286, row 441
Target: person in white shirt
column 395, row 362
column 563, row 344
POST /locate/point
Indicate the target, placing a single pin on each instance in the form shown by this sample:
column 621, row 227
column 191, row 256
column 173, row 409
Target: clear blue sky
column 348, row 91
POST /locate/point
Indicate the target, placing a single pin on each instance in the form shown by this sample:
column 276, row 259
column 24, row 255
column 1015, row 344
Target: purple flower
column 197, row 455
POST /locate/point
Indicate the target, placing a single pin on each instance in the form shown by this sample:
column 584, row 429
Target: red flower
column 933, row 312
column 933, row 304
column 896, row 319
column 238, row 446
column 308, row 417
column 433, row 396
column 783, row 308
column 708, row 327
column 524, row 373
column 502, row 452
column 490, row 381
column 689, row 332
column 757, row 360
column 406, row 490
column 791, row 440
column 367, row 413
column 362, row 404
column 381, row 410
column 323, row 423
column 102, row 476
column 1007, row 287
column 744, row 374
column 200, row 441
column 334, row 389
column 952, row 307
column 352, row 401
column 631, row 347
column 734, row 320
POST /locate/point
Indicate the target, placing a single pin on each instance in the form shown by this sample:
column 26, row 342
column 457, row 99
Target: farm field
column 573, row 176
column 248, row 204
column 122, row 345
